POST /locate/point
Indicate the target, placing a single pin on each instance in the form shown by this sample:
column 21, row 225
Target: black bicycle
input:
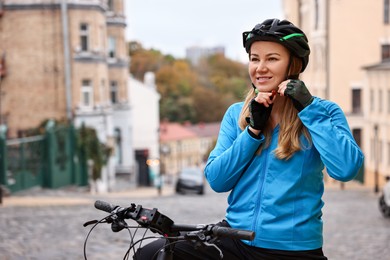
column 162, row 226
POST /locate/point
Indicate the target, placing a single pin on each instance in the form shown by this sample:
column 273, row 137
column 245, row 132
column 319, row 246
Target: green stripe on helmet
column 291, row 35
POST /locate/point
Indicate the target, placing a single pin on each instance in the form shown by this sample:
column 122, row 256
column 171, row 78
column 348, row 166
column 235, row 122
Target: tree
column 143, row 60
column 191, row 93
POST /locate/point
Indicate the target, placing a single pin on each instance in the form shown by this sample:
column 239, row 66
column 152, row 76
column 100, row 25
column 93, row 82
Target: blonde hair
column 290, row 125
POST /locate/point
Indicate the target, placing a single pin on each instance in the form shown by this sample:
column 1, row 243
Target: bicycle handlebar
column 150, row 218
column 218, row 231
column 233, row 233
column 104, row 206
column 161, row 223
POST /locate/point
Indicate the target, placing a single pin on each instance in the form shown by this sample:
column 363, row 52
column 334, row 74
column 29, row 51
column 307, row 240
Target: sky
column 171, row 26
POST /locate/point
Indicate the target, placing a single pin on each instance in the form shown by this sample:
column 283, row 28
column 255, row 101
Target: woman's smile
column 263, row 79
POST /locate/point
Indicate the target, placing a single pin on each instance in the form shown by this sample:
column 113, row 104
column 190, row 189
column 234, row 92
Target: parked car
column 384, row 199
column 190, row 179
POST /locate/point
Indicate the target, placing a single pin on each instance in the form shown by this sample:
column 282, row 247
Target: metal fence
column 25, row 160
column 51, row 160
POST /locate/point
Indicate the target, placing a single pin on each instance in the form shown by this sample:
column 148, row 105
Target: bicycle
column 156, row 222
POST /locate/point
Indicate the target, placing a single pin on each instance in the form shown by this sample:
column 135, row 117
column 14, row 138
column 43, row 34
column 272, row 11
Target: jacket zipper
column 260, row 193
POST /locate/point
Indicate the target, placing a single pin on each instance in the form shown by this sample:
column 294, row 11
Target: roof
column 205, row 129
column 176, row 131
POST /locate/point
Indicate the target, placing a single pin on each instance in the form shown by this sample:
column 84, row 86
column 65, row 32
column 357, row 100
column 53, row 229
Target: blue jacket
column 281, row 199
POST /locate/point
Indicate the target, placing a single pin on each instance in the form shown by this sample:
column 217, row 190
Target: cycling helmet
column 283, row 32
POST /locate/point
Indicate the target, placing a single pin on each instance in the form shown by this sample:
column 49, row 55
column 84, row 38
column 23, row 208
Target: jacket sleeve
column 332, row 138
column 232, row 153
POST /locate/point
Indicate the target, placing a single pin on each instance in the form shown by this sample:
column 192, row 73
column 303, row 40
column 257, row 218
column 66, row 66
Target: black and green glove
column 299, row 94
column 258, row 115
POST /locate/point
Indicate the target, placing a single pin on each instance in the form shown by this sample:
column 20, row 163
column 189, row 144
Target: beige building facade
column 185, row 145
column 377, row 127
column 179, row 148
column 66, row 60
column 346, row 36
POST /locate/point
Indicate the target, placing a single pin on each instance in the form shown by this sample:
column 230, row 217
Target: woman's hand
column 297, row 91
column 265, row 98
column 260, row 109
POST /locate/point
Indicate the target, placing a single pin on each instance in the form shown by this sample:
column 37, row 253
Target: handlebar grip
column 105, row 206
column 233, row 233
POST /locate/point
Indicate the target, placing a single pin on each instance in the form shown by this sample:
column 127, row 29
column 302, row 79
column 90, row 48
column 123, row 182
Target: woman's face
column 268, row 62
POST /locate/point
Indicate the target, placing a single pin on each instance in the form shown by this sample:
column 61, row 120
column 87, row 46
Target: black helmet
column 283, row 32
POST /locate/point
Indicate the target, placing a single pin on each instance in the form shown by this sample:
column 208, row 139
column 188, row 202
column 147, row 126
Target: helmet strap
column 254, row 88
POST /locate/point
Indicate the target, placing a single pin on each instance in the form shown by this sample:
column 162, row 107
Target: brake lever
column 90, row 222
column 116, row 219
column 196, row 235
column 201, row 238
column 118, row 224
column 216, row 247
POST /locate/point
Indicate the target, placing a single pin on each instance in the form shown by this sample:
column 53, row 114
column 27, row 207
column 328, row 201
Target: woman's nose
column 261, row 66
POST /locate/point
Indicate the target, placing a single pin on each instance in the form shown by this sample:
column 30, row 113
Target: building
column 185, row 145
column 207, row 134
column 377, row 127
column 144, row 100
column 195, row 54
column 347, row 66
column 179, row 148
column 67, row 60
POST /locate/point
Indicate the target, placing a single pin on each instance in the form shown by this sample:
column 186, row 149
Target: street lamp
column 164, row 150
column 376, row 154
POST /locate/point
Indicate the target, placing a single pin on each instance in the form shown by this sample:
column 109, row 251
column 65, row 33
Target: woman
column 271, row 151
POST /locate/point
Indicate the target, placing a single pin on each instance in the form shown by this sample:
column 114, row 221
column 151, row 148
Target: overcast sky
column 171, row 26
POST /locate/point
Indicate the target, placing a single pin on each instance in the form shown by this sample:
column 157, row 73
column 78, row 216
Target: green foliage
column 88, row 142
column 178, row 109
column 41, row 128
column 188, row 92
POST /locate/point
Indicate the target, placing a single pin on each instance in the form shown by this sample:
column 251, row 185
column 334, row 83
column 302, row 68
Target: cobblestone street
column 51, row 227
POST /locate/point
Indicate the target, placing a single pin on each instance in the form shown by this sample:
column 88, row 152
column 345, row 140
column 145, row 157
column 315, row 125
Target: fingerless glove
column 299, row 94
column 258, row 115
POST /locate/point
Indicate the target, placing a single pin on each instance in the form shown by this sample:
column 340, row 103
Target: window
column 110, row 5
column 371, row 100
column 356, row 101
column 118, row 145
column 388, row 153
column 386, row 19
column 102, row 91
column 86, row 93
column 380, row 101
column 84, row 41
column 114, row 92
column 316, row 15
column 111, row 47
column 385, row 52
column 388, row 101
column 357, row 135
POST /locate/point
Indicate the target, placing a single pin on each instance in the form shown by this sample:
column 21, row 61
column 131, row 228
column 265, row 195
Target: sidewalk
column 331, row 184
column 81, row 196
column 76, row 196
